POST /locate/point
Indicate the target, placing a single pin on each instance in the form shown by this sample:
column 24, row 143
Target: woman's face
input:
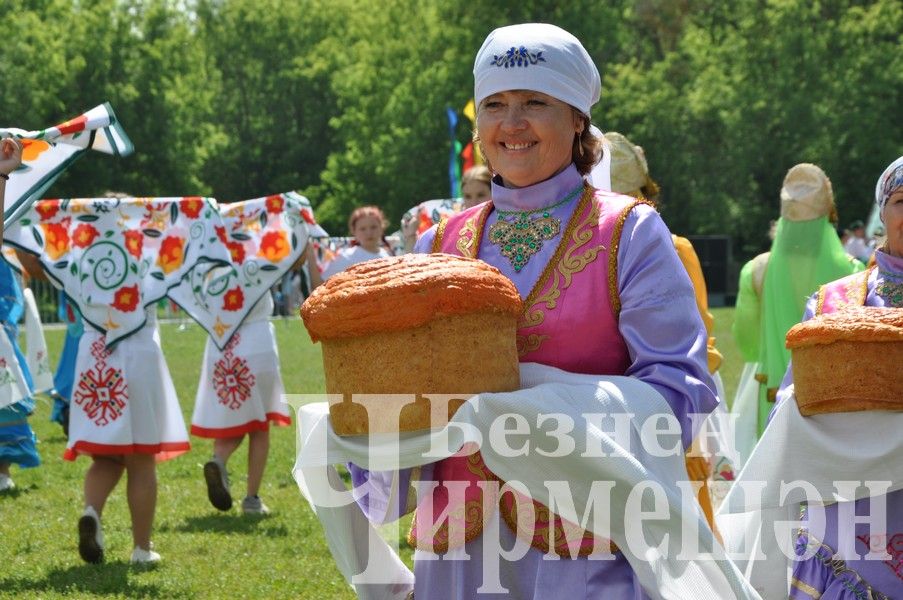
column 475, row 192
column 893, row 222
column 526, row 136
column 368, row 231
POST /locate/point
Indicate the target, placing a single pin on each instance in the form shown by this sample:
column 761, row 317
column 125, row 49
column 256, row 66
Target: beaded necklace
column 521, row 238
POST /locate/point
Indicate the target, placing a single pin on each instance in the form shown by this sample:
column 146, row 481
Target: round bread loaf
column 848, row 361
column 429, row 329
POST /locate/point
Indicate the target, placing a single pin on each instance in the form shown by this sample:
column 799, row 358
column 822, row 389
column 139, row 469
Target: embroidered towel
column 263, row 237
column 116, row 256
column 48, row 152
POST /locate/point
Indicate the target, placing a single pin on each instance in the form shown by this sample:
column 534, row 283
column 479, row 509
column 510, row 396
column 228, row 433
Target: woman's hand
column 10, row 155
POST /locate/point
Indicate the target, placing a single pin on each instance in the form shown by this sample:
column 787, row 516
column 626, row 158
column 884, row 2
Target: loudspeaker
column 714, row 252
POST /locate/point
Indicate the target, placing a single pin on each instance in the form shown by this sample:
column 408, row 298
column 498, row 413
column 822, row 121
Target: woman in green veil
column 805, row 254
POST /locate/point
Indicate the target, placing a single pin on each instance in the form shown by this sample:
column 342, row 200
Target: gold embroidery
column 473, row 227
column 820, row 303
column 838, row 566
column 529, row 343
column 571, row 264
column 864, row 286
column 563, row 263
column 472, row 514
column 543, row 520
column 805, row 588
column 440, row 535
column 466, row 237
column 613, row 254
column 481, row 223
column 567, row 266
column 550, row 266
column 440, row 233
column 856, row 289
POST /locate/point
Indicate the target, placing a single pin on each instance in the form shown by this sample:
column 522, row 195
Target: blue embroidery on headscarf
column 517, row 57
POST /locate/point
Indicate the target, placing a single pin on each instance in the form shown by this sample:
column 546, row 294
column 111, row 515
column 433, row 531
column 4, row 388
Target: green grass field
column 207, row 554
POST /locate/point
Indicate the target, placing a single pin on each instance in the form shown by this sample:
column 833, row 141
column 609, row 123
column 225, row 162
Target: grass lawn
column 207, row 554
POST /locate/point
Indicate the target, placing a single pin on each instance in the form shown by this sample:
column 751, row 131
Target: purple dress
column 833, row 575
column 666, row 340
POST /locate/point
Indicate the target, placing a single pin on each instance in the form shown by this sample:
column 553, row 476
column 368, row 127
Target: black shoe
column 217, row 485
column 90, row 546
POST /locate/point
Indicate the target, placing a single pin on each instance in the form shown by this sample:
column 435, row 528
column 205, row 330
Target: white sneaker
column 253, row 505
column 90, row 536
column 140, row 556
column 6, row 483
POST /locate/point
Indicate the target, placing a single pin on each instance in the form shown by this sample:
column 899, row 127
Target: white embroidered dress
column 124, row 401
column 240, row 388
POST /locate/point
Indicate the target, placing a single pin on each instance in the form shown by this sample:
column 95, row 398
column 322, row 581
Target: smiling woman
column 605, row 294
column 528, row 136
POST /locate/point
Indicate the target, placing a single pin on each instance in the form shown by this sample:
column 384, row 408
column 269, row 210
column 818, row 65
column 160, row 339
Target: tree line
column 345, row 100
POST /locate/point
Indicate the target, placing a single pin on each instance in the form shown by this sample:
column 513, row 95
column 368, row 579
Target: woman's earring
column 579, row 145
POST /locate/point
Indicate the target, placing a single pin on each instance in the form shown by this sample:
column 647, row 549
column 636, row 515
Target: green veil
column 804, row 256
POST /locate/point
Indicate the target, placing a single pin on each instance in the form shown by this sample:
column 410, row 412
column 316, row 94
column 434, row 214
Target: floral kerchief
column 115, row 256
column 49, row 152
column 264, row 237
column 426, row 214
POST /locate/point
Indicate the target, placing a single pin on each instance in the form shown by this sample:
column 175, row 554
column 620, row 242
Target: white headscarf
column 537, row 57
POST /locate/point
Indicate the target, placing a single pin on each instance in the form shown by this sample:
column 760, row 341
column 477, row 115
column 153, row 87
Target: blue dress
column 17, row 440
column 64, row 378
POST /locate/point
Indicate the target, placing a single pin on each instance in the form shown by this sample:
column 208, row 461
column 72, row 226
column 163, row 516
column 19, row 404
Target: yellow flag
column 470, row 111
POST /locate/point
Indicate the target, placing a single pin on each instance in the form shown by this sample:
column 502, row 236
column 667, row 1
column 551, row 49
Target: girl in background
column 476, row 186
column 367, row 224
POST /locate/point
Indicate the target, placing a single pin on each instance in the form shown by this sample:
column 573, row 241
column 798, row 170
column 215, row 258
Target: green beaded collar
column 520, row 238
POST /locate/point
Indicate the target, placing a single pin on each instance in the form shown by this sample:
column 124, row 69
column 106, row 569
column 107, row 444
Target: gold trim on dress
column 805, row 588
column 837, row 565
column 470, row 248
column 613, row 291
column 853, row 296
column 565, row 265
column 531, row 342
column 439, row 535
column 440, row 233
column 543, row 520
column 562, row 244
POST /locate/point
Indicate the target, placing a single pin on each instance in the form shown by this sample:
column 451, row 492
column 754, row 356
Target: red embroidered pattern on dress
column 232, row 378
column 101, row 391
column 892, row 544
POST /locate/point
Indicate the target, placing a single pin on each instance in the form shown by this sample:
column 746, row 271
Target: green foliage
column 345, row 101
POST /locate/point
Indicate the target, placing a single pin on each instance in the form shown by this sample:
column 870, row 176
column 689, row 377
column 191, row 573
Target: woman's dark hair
column 590, row 145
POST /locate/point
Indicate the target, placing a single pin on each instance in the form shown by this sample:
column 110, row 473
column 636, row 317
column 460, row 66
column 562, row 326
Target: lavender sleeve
column 383, row 495
column 660, row 322
column 425, row 242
